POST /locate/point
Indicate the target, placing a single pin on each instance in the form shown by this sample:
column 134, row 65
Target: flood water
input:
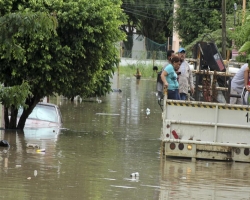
column 102, row 144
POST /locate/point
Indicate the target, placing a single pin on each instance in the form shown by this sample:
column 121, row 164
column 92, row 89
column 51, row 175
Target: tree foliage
column 16, row 55
column 27, row 23
column 12, row 98
column 241, row 38
column 77, row 59
column 194, row 17
column 15, row 96
column 148, row 18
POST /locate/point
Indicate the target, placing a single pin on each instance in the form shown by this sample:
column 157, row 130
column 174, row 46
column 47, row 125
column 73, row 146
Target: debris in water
column 35, row 146
column 116, row 90
column 4, row 143
column 40, row 150
column 114, row 114
column 135, row 174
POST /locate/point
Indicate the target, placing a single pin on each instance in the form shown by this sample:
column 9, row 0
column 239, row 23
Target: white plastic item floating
column 40, row 150
column 135, row 174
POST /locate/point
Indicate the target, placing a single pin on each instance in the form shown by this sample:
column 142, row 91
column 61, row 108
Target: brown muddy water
column 103, row 144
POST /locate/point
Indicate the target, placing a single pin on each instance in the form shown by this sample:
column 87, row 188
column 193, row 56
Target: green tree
column 149, row 18
column 15, row 24
column 14, row 56
column 77, row 60
column 12, row 98
column 129, row 27
column 198, row 17
column 241, row 37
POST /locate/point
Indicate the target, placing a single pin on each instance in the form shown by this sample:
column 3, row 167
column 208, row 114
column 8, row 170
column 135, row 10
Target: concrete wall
column 131, row 61
column 138, row 47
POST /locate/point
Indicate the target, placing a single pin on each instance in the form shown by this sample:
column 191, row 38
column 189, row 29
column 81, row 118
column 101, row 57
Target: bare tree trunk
column 31, row 103
column 13, row 117
column 6, row 118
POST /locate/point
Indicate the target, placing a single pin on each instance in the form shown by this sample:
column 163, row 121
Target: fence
column 142, row 55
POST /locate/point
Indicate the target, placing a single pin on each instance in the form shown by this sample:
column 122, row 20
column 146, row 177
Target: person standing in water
column 138, row 74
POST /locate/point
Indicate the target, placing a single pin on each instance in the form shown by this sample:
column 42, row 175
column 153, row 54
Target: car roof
column 47, row 104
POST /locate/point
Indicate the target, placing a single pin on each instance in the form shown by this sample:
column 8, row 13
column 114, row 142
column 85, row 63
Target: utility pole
column 243, row 11
column 224, row 36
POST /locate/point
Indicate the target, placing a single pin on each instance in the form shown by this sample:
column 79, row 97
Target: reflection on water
column 102, row 145
column 182, row 179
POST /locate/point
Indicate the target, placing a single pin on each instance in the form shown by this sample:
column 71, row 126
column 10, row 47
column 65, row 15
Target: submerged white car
column 43, row 126
column 44, row 115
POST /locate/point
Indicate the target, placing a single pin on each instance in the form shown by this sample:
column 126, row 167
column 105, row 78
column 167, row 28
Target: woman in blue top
column 169, row 78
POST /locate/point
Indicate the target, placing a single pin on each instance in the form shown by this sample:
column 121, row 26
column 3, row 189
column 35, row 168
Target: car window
column 41, row 112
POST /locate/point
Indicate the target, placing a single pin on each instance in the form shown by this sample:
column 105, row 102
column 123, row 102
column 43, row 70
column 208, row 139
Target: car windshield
column 42, row 112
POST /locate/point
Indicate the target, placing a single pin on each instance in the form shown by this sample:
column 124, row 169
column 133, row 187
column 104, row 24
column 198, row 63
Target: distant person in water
column 155, row 69
column 138, row 74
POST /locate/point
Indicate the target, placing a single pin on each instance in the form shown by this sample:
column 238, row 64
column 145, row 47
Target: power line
column 140, row 11
column 136, row 11
column 143, row 4
column 146, row 16
column 171, row 8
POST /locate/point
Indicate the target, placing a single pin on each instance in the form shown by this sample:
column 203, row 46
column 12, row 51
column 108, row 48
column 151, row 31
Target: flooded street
column 103, row 143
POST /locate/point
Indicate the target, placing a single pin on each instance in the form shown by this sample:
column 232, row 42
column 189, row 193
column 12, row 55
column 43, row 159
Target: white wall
column 131, row 61
column 138, row 47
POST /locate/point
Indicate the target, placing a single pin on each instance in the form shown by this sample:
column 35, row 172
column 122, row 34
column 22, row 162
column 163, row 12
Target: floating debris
column 98, row 100
column 40, row 150
column 121, row 186
column 116, row 90
column 34, row 146
column 135, row 174
column 107, row 114
column 134, row 178
column 4, row 143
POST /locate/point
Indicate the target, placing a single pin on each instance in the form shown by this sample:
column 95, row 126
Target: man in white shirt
column 239, row 81
column 185, row 76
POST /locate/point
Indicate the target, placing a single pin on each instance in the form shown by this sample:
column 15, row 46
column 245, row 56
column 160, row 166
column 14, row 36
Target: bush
column 241, row 58
column 130, row 70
